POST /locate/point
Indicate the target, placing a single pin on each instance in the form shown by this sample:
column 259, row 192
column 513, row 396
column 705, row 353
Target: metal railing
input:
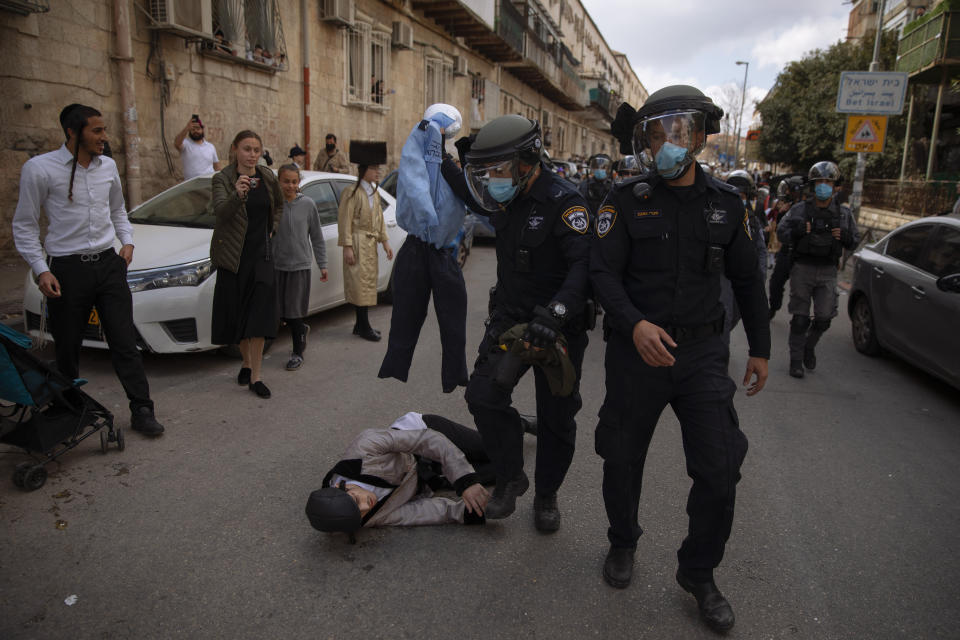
column 511, row 25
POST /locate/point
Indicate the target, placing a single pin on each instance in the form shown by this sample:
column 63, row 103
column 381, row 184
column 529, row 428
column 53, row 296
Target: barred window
column 367, row 66
column 438, row 79
column 250, row 30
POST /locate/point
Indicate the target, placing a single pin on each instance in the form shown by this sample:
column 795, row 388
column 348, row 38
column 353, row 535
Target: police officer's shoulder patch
column 606, row 217
column 577, row 218
column 560, row 189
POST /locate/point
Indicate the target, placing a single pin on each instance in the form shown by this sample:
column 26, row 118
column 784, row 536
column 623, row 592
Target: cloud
column 799, row 39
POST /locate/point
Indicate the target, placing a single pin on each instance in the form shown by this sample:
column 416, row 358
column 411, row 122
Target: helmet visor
column 492, row 184
column 669, row 142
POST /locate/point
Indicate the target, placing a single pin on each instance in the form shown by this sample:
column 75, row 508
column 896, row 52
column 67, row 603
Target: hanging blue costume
column 432, row 216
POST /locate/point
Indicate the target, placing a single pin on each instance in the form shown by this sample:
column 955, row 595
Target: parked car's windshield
column 184, row 205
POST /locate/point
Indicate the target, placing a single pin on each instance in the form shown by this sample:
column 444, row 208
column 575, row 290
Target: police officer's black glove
column 622, row 127
column 463, row 147
column 542, row 332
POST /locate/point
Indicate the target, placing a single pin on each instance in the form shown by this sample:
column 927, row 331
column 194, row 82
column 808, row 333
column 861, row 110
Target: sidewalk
column 12, row 272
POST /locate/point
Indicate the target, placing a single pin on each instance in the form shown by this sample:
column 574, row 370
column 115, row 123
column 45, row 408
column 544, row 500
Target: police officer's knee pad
column 799, row 324
column 820, row 324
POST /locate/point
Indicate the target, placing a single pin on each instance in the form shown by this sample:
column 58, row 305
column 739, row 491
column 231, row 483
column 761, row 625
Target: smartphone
column 254, row 182
column 195, row 118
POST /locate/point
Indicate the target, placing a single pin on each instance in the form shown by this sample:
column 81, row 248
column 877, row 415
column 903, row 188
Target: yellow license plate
column 94, row 318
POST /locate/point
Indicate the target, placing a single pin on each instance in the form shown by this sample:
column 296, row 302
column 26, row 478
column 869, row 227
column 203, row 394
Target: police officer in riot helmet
column 627, row 167
column 662, row 243
column 596, row 187
column 543, row 235
column 819, row 230
column 789, row 192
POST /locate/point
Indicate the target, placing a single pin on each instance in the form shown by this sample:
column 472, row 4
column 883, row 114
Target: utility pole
column 743, row 99
column 857, row 193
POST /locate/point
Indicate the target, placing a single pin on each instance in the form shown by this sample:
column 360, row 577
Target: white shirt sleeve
column 118, row 211
column 26, row 218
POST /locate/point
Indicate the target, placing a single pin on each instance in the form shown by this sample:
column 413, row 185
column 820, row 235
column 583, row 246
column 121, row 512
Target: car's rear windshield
column 184, row 205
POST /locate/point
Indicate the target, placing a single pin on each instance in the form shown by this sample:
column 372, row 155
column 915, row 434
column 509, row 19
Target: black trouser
column 468, row 441
column 422, row 269
column 298, row 334
column 701, row 393
column 499, row 423
column 779, row 277
column 101, row 283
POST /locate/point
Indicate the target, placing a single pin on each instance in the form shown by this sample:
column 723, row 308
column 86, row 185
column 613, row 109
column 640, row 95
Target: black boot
column 546, row 514
column 714, row 608
column 618, row 567
column 504, row 500
column 809, row 358
column 796, row 369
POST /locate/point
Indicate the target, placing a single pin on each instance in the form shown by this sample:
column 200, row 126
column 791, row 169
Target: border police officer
column 819, row 230
column 790, row 190
column 543, row 253
column 663, row 241
column 595, row 188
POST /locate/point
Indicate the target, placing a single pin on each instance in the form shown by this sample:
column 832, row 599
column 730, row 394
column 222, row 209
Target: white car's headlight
column 191, row 274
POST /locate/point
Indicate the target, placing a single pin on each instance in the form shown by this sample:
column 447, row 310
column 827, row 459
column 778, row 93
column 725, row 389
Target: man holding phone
column 199, row 156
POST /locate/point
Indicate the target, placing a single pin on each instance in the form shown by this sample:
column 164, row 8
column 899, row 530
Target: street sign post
column 865, row 134
column 872, row 92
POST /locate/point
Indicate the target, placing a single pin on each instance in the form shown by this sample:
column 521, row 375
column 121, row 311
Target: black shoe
column 143, row 420
column 618, row 567
column 259, row 388
column 714, row 608
column 367, row 333
column 809, row 359
column 796, row 369
column 505, row 495
column 546, row 515
column 244, row 376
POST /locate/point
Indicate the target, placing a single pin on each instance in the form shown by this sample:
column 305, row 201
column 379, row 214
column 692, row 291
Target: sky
column 698, row 42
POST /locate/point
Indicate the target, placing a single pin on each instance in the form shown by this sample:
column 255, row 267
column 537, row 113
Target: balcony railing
column 510, row 25
column 933, row 41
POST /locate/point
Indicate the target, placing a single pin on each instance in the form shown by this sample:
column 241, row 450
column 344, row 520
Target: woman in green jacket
column 247, row 204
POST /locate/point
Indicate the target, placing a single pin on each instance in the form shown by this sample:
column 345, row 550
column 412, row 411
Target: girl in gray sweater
column 298, row 236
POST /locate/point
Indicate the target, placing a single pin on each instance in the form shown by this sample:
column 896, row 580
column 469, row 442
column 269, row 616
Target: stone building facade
column 487, row 57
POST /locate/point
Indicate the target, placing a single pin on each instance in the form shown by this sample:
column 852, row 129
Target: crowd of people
column 672, row 254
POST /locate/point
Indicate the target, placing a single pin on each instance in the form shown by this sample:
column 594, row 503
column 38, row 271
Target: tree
column 800, row 123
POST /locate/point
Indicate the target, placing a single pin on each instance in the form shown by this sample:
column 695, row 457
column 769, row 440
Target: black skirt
column 244, row 303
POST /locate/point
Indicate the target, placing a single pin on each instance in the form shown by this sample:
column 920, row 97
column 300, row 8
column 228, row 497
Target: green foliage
column 800, row 123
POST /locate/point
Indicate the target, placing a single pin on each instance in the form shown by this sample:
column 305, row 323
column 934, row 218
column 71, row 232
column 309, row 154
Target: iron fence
column 911, row 197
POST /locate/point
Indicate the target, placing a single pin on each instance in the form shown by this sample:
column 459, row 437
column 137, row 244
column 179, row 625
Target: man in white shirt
column 199, row 156
column 79, row 189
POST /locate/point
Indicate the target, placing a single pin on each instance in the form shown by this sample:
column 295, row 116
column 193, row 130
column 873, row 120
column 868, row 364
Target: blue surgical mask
column 600, row 174
column 501, row 189
column 823, row 191
column 670, row 159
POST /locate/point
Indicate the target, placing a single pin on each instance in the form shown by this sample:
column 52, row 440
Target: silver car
column 905, row 296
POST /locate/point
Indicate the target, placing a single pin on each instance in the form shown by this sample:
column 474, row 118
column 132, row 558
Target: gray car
column 905, row 296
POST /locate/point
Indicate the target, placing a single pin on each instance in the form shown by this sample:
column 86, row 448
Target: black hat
column 331, row 510
column 297, row 151
column 368, row 153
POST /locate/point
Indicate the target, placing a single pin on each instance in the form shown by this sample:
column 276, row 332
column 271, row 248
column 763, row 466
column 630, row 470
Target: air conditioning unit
column 191, row 18
column 459, row 66
column 337, row 11
column 402, row 36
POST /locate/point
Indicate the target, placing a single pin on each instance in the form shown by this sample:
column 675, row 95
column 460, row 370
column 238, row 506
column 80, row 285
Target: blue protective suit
column 426, row 206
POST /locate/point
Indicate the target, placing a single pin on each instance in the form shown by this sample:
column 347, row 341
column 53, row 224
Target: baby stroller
column 50, row 414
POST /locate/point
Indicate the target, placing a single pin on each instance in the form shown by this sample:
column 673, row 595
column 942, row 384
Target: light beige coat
column 362, row 228
column 389, row 454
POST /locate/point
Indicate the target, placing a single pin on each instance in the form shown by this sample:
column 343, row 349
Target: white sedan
column 171, row 276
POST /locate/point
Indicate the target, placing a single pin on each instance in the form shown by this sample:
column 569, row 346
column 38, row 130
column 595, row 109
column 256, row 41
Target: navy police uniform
column 543, row 254
column 594, row 191
column 658, row 254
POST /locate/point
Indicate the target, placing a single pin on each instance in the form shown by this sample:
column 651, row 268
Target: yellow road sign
column 865, row 134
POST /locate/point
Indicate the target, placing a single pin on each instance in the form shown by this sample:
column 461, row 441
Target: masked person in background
column 627, row 168
column 819, row 230
column 596, row 187
column 432, row 215
column 331, row 159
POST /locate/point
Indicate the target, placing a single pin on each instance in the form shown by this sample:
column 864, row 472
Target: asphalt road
column 847, row 513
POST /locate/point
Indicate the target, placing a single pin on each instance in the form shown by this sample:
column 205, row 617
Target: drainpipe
column 131, row 133
column 305, row 48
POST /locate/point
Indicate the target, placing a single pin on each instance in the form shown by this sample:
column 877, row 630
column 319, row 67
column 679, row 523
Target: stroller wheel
column 20, row 473
column 36, row 477
column 104, row 440
column 121, row 443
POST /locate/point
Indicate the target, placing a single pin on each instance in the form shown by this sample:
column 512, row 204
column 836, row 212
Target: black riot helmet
column 333, row 510
column 493, row 172
column 744, row 183
column 672, row 126
column 824, row 170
